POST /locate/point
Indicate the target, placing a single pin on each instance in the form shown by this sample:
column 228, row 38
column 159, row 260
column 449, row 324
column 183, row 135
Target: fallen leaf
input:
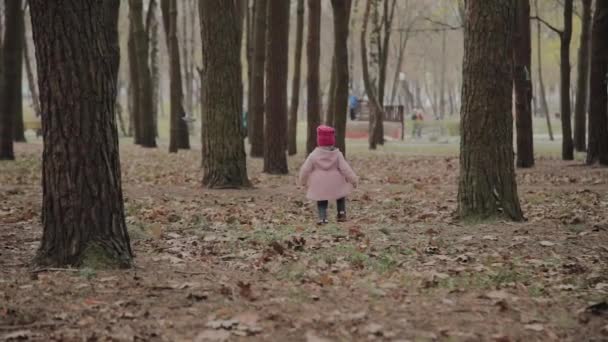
column 547, row 243
column 534, row 327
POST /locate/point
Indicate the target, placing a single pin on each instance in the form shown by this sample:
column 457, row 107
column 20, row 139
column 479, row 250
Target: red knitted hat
column 326, row 136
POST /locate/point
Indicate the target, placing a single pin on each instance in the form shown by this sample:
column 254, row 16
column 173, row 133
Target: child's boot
column 341, row 216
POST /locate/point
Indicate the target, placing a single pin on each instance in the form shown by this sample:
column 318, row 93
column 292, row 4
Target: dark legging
column 322, row 206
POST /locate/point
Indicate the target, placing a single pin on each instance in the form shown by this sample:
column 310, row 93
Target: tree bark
column 82, row 204
column 541, row 83
column 152, row 36
column 256, row 106
column 135, row 112
column 178, row 128
column 275, row 129
column 341, row 10
column 224, row 158
column 566, row 37
column 313, row 53
column 14, row 78
column 329, row 109
column 487, row 186
column 597, row 151
column 31, row 79
column 144, row 89
column 442, row 76
column 295, row 85
column 10, row 98
column 522, row 84
column 375, row 107
column 582, row 82
column 383, row 49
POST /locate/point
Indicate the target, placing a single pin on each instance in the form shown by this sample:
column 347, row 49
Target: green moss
column 97, row 257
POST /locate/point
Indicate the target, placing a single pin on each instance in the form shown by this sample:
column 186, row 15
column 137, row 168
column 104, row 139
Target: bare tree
column 313, row 51
column 82, row 203
column 597, row 151
column 256, row 106
column 582, row 82
column 341, row 10
column 295, row 85
column 275, row 128
column 522, row 84
column 487, row 186
column 223, row 150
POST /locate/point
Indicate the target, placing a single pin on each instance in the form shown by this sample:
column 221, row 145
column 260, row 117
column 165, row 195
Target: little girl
column 327, row 175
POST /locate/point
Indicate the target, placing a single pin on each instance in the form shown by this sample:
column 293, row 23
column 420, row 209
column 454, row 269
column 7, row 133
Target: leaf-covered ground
column 251, row 265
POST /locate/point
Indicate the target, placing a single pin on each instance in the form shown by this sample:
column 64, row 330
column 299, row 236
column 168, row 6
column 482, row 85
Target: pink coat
column 327, row 175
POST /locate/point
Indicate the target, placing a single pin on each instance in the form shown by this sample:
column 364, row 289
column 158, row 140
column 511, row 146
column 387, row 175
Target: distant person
column 327, row 175
column 353, row 105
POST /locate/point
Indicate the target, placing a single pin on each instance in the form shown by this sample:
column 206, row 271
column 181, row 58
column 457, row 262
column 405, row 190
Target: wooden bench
column 392, row 114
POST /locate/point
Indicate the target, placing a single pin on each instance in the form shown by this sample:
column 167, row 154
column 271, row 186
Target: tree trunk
column 582, row 82
column 224, row 158
column 15, row 104
column 541, row 84
column 597, row 151
column 566, row 37
column 522, row 84
column 313, row 53
column 295, row 86
column 10, row 98
column 152, row 34
column 375, row 107
column 249, row 15
column 178, row 128
column 400, row 52
column 145, row 98
column 275, row 130
column 82, row 204
column 341, row 10
column 134, row 98
column 31, row 79
column 256, row 107
column 329, row 109
column 442, row 76
column 487, row 186
column 386, row 26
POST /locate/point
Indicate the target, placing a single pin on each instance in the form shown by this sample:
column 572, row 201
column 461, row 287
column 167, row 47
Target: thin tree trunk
column 442, row 76
column 522, row 84
column 14, row 80
column 146, row 104
column 152, row 30
column 487, row 186
column 275, row 129
column 249, row 15
column 31, row 79
column 597, row 151
column 256, row 107
column 82, row 204
column 400, row 53
column 541, row 84
column 295, row 86
column 582, row 82
column 341, row 10
column 223, row 150
column 10, row 97
column 375, row 107
column 329, row 109
column 178, row 128
column 566, row 37
column 313, row 51
column 134, row 98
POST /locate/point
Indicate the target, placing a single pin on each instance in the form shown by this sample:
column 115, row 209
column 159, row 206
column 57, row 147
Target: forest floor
column 251, row 265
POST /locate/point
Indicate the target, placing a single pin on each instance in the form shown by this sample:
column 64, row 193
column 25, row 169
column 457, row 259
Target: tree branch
column 442, row 24
column 553, row 28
